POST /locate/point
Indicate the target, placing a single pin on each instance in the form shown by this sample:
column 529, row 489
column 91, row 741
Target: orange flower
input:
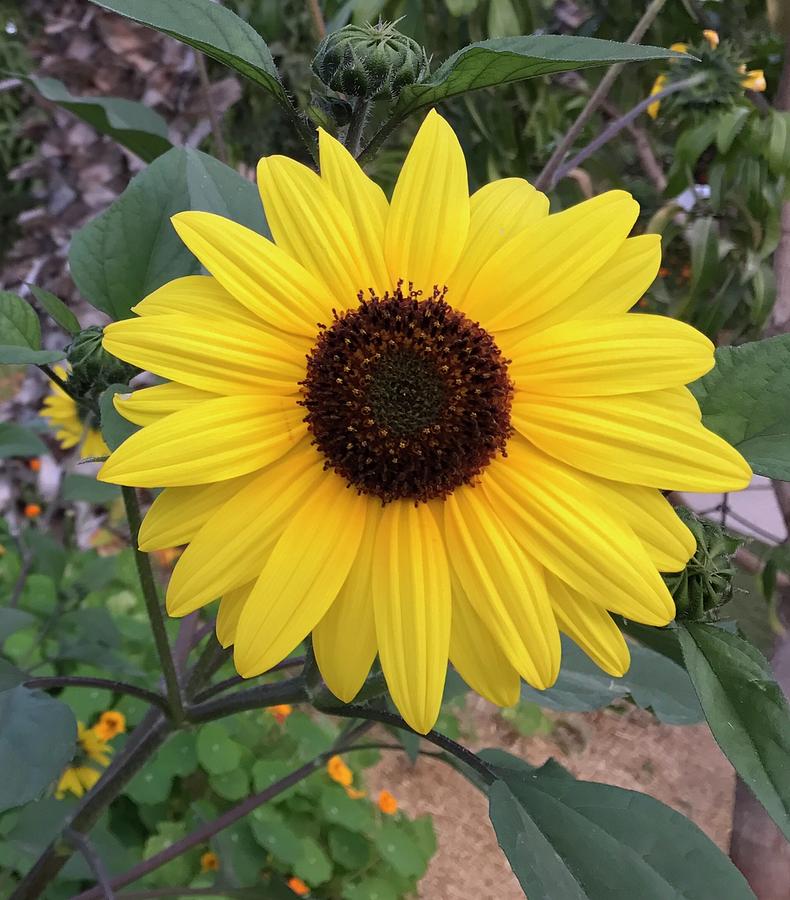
column 387, row 803
column 32, row 510
column 34, row 464
column 110, row 723
column 663, row 272
column 281, row 712
column 209, row 862
column 167, row 557
column 339, row 771
column 712, row 37
column 354, row 794
column 298, row 886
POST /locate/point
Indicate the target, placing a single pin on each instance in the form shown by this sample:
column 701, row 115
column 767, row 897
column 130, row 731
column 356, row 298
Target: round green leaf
column 231, row 785
column 313, row 865
column 349, row 849
column 217, row 752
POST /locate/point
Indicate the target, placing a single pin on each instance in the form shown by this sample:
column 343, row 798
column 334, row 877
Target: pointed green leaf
column 57, row 309
column 746, row 710
column 210, row 28
column 132, row 249
column 508, row 59
column 131, row 124
column 37, row 740
column 745, row 400
column 20, row 334
column 16, row 440
column 579, row 840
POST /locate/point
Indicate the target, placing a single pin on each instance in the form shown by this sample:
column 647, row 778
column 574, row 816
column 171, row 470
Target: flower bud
column 706, row 582
column 92, row 368
column 369, row 61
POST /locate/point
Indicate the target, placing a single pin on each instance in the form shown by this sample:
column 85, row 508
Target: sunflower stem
column 356, row 126
column 151, row 597
column 106, row 684
column 548, row 177
column 291, row 690
column 53, row 376
column 209, row 661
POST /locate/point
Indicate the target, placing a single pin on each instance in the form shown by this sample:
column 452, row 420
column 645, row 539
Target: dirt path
column 681, row 766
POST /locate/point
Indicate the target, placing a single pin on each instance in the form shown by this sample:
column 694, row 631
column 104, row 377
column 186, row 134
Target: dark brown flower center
column 407, row 398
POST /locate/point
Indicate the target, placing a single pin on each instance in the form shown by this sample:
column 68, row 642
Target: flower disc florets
column 369, row 61
column 407, row 398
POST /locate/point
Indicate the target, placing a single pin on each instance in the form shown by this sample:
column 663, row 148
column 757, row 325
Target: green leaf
column 132, row 249
column 16, row 440
column 571, row 840
column 217, row 752
column 313, row 865
column 350, row 850
column 85, row 702
column 370, row 889
column 265, row 772
column 57, row 309
column 37, row 739
column 747, row 712
column 12, row 620
column 745, row 399
column 508, row 59
column 339, row 809
column 231, row 785
column 114, row 428
column 274, row 835
column 210, row 28
column 150, row 785
column 20, row 334
column 653, row 681
column 131, row 124
column 88, row 489
column 10, row 676
column 730, row 125
column 179, row 756
column 399, row 849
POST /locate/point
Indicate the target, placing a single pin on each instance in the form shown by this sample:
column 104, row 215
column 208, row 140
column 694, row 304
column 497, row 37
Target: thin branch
column 318, row 18
column 220, row 148
column 546, row 180
column 297, row 662
column 292, row 690
column 614, row 128
column 210, row 660
column 151, row 597
column 53, row 376
column 82, row 843
column 107, row 684
column 206, row 831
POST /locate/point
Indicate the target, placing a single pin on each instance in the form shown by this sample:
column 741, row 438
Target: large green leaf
column 132, row 249
column 653, row 681
column 20, row 333
column 131, row 124
column 37, row 739
column 56, row 308
column 210, row 28
column 16, row 440
column 746, row 400
column 572, row 840
column 746, row 710
column 504, row 60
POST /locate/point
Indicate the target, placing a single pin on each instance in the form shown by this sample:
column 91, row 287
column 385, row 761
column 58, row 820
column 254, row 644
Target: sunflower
column 73, row 425
column 79, row 777
column 420, row 428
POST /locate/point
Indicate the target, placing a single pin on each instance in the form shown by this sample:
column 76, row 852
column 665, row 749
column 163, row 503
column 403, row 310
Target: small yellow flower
column 62, row 413
column 387, row 803
column 298, row 886
column 93, row 745
column 712, row 37
column 281, row 712
column 110, row 724
column 754, row 81
column 338, row 771
column 78, row 777
column 209, row 862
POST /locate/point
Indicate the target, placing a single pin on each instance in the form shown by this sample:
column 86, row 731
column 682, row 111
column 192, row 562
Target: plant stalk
column 356, row 126
column 106, row 684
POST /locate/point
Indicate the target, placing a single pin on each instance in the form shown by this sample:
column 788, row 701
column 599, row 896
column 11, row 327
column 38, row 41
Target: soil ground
column 680, row 765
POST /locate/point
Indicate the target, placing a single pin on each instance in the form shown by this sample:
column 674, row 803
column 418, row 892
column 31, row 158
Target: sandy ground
column 681, row 766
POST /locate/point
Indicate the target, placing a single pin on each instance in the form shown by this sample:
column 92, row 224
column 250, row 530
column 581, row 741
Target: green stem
column 356, row 126
column 151, row 597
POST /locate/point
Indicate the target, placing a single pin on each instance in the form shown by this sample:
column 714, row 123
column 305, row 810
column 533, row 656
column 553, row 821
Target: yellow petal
column 197, row 295
column 260, row 275
column 302, row 576
column 563, row 524
column 413, row 607
column 478, row 656
column 215, row 356
column 93, row 444
column 230, row 607
column 153, row 403
column 364, row 202
column 211, row 441
column 633, row 438
column 178, row 513
column 499, row 210
column 309, row 222
column 667, row 540
column 344, row 641
column 590, row 626
column 429, row 214
column 612, row 355
column 658, row 85
column 231, row 548
column 504, row 585
column 546, row 263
